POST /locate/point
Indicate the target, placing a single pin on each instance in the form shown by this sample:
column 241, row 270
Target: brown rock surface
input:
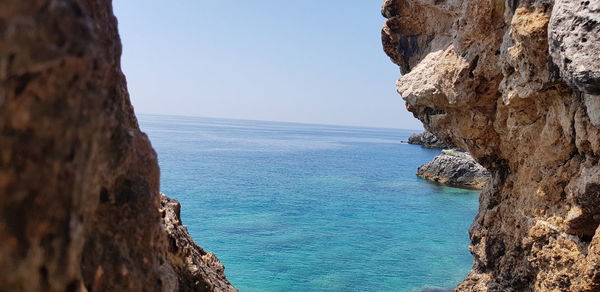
column 514, row 84
column 201, row 270
column 79, row 203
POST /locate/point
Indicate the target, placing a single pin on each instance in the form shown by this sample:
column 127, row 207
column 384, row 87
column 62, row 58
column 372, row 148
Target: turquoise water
column 296, row 207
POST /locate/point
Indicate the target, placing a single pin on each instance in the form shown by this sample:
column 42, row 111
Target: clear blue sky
column 313, row 61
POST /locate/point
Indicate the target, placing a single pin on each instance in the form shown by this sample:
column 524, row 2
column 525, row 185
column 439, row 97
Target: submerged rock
column 455, row 168
column 426, row 139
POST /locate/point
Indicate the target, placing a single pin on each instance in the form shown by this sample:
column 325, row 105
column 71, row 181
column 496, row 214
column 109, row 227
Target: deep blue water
column 297, row 207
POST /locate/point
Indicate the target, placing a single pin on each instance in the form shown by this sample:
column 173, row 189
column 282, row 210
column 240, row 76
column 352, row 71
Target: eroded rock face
column 199, row 270
column 514, row 84
column 79, row 203
column 428, row 140
column 575, row 33
column 455, row 168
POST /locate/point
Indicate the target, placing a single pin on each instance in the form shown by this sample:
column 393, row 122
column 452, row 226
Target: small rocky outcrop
column 80, row 208
column 455, row 168
column 426, row 139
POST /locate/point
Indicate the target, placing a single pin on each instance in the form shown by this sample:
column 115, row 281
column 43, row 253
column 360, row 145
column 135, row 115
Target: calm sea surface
column 297, row 207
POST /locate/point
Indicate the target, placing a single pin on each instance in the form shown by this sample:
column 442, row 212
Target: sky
column 310, row 61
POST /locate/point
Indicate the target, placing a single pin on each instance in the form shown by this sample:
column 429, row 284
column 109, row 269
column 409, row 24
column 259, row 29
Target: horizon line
column 289, row 122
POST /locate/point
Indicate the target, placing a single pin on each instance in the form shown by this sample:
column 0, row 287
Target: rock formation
column 201, row 270
column 428, row 140
column 80, row 208
column 455, row 168
column 516, row 84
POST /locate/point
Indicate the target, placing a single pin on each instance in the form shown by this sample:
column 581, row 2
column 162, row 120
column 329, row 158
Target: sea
column 306, row 207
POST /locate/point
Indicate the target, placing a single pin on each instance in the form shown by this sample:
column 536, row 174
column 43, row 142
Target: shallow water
column 297, row 207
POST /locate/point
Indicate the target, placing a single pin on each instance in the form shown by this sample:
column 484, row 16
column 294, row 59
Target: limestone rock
column 514, row 84
column 575, row 43
column 428, row 140
column 189, row 260
column 79, row 181
column 455, row 168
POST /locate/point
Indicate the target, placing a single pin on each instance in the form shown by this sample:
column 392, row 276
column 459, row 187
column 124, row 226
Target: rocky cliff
column 428, row 140
column 516, row 84
column 455, row 168
column 80, row 208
